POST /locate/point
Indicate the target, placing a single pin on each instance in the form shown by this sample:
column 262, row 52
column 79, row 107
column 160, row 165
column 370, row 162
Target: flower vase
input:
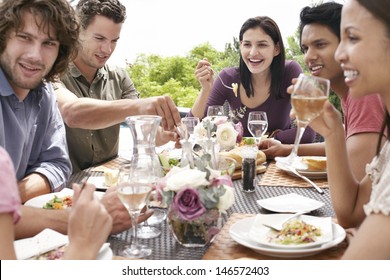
column 195, row 233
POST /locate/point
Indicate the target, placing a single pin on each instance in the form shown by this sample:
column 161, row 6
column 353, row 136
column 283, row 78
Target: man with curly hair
column 38, row 38
column 94, row 97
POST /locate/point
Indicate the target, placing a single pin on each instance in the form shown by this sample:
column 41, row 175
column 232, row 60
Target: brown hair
column 56, row 13
column 86, row 11
column 278, row 63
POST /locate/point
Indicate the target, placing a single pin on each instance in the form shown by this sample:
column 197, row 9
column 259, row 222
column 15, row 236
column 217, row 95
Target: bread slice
column 315, row 163
column 236, row 154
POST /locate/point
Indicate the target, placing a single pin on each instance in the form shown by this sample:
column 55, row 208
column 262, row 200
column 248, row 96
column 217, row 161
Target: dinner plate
column 309, row 174
column 48, row 240
column 290, row 203
column 239, row 233
column 40, row 201
column 265, row 236
column 98, row 181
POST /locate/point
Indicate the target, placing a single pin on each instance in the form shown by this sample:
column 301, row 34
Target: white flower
column 200, row 131
column 226, row 200
column 185, row 177
column 226, row 135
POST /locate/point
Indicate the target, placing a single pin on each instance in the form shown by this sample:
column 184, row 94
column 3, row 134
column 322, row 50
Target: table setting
column 216, row 209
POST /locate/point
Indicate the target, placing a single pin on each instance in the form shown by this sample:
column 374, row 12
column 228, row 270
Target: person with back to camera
column 89, row 222
column 319, row 31
column 262, row 78
column 364, row 56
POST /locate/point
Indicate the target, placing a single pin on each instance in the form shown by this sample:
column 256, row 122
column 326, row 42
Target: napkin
column 41, row 243
column 46, row 241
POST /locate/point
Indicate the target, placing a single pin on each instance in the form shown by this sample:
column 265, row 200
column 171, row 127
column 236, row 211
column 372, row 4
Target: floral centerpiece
column 196, row 198
column 226, row 133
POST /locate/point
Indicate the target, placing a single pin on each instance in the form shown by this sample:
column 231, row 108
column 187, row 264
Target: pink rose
column 188, row 205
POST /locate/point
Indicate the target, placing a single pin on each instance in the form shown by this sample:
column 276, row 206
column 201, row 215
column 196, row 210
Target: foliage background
column 154, row 75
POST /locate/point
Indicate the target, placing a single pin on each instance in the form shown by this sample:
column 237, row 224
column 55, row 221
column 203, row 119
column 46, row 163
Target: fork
column 296, row 173
column 278, row 226
column 226, row 86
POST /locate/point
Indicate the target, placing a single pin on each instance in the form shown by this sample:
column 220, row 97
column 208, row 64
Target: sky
column 174, row 27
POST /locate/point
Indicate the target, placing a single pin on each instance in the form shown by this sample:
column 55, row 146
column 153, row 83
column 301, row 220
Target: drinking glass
column 307, row 100
column 133, row 193
column 190, row 123
column 214, row 111
column 257, row 124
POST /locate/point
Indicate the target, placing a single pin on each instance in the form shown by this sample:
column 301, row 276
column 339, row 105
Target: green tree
column 154, row 75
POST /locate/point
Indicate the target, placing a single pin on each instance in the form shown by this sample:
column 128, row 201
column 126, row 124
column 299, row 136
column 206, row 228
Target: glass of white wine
column 307, row 100
column 133, row 193
column 257, row 124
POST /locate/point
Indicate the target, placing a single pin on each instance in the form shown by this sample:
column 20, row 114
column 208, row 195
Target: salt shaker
column 249, row 156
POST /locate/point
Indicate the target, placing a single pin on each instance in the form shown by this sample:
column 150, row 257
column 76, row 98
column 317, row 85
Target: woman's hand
column 89, row 224
column 328, row 121
column 204, row 74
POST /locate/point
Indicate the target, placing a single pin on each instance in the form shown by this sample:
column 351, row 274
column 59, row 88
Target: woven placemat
column 116, row 163
column 276, row 177
column 225, row 248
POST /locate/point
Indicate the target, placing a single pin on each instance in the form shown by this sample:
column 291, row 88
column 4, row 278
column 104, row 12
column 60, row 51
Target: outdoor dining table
column 272, row 183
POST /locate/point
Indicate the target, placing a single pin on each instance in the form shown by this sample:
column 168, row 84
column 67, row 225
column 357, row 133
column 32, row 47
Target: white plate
column 307, row 173
column 40, row 201
column 239, row 233
column 48, row 240
column 290, row 203
column 98, row 181
column 262, row 234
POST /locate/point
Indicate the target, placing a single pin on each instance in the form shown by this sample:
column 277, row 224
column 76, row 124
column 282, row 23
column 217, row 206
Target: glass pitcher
column 145, row 159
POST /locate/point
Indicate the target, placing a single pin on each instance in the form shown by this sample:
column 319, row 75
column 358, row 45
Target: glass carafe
column 144, row 129
column 145, row 166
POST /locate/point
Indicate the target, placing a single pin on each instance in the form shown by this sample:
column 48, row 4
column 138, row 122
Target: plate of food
column 290, row 203
column 57, row 200
column 50, row 245
column 303, row 232
column 239, row 233
column 316, row 167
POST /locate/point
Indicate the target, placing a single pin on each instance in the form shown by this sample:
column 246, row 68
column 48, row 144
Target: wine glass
column 145, row 171
column 307, row 100
column 133, row 193
column 190, row 123
column 257, row 124
column 214, row 111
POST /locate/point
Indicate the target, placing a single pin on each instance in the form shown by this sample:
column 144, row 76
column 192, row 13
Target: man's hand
column 120, row 215
column 162, row 106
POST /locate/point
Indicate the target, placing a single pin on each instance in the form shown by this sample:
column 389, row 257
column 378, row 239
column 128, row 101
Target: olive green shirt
column 92, row 147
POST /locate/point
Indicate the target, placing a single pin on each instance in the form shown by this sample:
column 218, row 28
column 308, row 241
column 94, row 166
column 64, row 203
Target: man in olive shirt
column 95, row 98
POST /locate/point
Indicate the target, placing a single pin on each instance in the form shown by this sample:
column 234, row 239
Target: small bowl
column 226, row 165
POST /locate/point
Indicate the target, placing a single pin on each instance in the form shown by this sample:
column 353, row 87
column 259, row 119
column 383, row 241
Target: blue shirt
column 33, row 133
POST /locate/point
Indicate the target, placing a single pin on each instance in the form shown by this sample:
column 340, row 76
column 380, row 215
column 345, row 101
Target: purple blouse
column 278, row 110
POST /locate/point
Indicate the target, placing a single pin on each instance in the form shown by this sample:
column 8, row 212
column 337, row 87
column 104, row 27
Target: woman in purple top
column 262, row 78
